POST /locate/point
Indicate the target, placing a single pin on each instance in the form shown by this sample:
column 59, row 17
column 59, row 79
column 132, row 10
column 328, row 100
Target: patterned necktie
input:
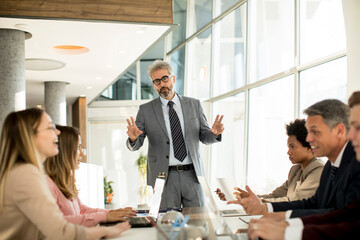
column 333, row 174
column 176, row 134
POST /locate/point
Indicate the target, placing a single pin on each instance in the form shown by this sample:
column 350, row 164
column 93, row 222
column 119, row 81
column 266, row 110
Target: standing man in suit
column 327, row 126
column 339, row 224
column 174, row 126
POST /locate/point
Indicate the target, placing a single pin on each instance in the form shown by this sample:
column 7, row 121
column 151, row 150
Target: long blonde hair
column 61, row 168
column 17, row 143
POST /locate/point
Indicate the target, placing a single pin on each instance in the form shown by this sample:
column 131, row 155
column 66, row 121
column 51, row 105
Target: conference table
column 218, row 227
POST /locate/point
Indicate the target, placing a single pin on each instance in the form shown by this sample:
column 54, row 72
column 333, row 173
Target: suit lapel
column 341, row 175
column 160, row 115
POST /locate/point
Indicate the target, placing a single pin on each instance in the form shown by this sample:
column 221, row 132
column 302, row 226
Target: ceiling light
column 140, row 30
column 89, row 87
column 122, row 51
column 70, row 49
column 43, row 64
column 109, row 66
column 98, row 78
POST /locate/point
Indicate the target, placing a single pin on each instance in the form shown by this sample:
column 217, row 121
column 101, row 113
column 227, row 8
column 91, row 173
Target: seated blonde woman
column 60, row 170
column 27, row 208
column 304, row 176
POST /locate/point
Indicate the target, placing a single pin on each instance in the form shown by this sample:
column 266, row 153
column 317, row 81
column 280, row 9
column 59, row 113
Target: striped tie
column 176, row 134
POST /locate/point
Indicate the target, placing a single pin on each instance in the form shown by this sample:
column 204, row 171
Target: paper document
column 227, row 187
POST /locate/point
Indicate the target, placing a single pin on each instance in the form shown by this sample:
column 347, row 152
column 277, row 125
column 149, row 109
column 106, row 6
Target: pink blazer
column 74, row 211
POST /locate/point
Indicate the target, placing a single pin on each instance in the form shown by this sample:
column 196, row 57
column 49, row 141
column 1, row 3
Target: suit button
column 168, row 142
column 167, row 156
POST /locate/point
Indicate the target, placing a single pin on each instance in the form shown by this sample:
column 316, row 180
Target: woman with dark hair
column 60, row 170
column 27, row 208
column 304, row 176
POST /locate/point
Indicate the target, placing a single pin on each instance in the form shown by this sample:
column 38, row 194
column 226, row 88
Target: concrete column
column 351, row 10
column 55, row 101
column 12, row 72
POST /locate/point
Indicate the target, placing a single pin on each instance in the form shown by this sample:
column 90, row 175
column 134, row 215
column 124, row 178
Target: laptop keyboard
column 139, row 220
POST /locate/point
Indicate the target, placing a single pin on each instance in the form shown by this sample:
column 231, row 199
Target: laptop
column 141, row 220
column 212, row 204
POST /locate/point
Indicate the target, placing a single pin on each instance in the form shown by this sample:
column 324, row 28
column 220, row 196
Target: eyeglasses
column 164, row 79
column 51, row 127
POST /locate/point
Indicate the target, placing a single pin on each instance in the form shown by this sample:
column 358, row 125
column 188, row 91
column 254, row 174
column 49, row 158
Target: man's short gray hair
column 333, row 112
column 159, row 64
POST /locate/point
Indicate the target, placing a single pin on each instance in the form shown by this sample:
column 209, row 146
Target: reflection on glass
column 222, row 5
column 178, row 63
column 229, row 52
column 325, row 81
column 271, row 38
column 122, row 89
column 200, row 15
column 322, row 29
column 147, row 89
column 198, row 66
column 271, row 107
column 178, row 35
column 227, row 158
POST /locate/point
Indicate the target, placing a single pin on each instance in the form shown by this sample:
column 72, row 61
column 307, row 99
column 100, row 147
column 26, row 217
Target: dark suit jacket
column 339, row 224
column 327, row 198
column 150, row 120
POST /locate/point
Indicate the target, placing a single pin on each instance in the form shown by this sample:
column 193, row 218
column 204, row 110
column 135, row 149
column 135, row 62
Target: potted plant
column 141, row 164
column 108, row 191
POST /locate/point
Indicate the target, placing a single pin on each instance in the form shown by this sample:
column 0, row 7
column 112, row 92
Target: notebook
column 212, row 204
column 142, row 220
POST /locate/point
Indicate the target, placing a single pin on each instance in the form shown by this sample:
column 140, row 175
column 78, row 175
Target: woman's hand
column 116, row 230
column 120, row 214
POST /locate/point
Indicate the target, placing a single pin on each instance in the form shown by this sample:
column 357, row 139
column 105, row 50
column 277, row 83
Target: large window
column 200, row 15
column 320, row 34
column 198, row 66
column 229, row 52
column 229, row 155
column 271, row 106
column 177, row 61
column 327, row 80
column 271, row 37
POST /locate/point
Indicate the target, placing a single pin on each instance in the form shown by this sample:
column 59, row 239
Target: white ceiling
column 114, row 46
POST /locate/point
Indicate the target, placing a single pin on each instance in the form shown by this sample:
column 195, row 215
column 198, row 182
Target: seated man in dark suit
column 339, row 224
column 327, row 125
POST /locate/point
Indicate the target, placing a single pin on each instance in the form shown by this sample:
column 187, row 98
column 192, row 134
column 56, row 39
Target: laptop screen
column 156, row 199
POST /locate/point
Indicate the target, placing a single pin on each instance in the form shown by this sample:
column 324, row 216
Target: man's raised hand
column 133, row 131
column 218, row 127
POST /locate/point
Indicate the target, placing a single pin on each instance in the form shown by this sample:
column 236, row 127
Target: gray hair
column 159, row 64
column 333, row 112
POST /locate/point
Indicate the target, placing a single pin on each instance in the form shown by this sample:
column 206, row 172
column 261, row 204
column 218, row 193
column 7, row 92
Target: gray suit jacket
column 150, row 120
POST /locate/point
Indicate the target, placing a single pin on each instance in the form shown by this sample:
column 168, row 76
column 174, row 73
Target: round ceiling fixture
column 70, row 49
column 43, row 64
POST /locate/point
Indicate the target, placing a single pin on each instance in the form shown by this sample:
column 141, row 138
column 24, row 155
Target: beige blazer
column 30, row 211
column 300, row 184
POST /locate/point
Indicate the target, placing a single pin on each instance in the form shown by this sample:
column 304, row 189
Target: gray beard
column 163, row 95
